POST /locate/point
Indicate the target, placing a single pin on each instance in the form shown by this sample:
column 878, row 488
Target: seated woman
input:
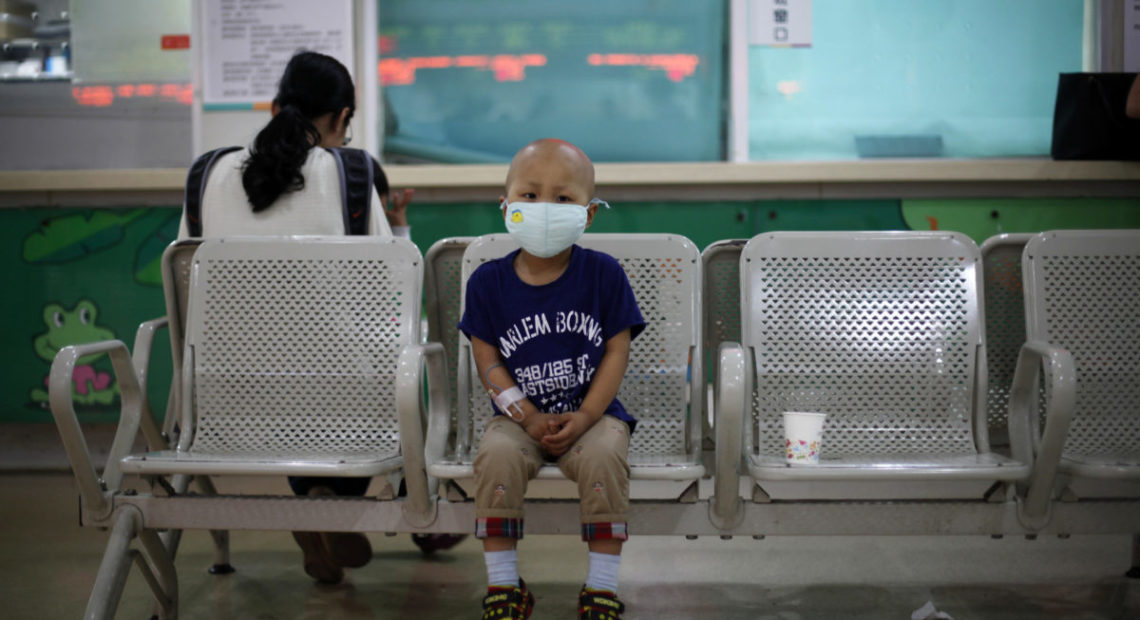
column 286, row 183
column 281, row 184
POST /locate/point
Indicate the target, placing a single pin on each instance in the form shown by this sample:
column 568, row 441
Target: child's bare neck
column 537, row 271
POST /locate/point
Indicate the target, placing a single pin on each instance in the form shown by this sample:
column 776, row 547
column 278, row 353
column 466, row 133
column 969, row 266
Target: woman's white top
column 313, row 210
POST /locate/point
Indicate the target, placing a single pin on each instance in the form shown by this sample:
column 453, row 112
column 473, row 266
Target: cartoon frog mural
column 77, row 326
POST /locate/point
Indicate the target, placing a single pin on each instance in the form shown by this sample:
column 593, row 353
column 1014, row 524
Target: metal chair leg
column 221, row 565
column 170, row 541
column 113, row 569
column 171, row 538
column 164, row 585
column 155, row 564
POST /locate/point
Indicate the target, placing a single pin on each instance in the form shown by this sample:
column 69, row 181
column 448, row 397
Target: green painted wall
column 71, row 276
column 76, row 275
column 984, row 218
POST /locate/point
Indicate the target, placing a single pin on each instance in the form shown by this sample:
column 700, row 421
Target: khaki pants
column 508, row 458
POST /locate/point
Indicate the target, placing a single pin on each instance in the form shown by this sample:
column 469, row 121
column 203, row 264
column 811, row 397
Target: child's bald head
column 551, row 166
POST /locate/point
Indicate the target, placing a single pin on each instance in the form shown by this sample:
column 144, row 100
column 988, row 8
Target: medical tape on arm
column 508, row 397
column 506, row 400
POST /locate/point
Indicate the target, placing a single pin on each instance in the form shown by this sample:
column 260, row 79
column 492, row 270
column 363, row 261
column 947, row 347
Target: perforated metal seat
column 881, row 331
column 291, row 349
column 1005, row 326
column 664, row 271
column 1083, row 294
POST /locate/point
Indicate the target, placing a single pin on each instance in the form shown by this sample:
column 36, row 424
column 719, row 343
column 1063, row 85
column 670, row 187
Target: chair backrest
column 664, row 272
column 721, row 264
column 292, row 344
column 177, row 260
column 1083, row 294
column 443, row 293
column 1005, row 325
column 880, row 330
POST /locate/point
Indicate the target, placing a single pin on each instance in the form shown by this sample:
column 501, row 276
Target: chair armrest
column 439, row 418
column 94, row 491
column 419, row 507
column 731, row 399
column 144, row 343
column 464, row 438
column 1042, row 453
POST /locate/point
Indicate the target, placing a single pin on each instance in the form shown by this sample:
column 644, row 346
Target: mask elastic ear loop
column 599, row 201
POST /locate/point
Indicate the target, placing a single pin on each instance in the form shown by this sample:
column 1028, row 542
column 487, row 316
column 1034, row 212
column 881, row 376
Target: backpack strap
column 196, row 187
column 359, row 175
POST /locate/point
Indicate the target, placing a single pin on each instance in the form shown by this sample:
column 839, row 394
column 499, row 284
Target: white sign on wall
column 779, row 23
column 249, row 42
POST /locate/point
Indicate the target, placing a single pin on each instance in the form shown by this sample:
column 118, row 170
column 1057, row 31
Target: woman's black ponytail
column 276, row 157
column 313, row 85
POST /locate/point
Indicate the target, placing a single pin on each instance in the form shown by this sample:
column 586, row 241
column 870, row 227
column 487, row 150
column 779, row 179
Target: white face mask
column 546, row 228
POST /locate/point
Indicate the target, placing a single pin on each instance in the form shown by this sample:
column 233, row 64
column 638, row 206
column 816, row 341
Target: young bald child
column 550, row 327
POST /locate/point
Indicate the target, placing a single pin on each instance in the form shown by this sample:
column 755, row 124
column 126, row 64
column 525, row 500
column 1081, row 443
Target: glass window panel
column 127, row 104
column 122, row 41
column 936, row 78
column 474, row 80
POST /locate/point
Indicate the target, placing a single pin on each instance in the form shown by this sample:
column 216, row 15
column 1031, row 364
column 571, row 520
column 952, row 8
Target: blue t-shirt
column 552, row 337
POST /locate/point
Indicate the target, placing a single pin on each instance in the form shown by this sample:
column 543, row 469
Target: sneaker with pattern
column 599, row 605
column 508, row 603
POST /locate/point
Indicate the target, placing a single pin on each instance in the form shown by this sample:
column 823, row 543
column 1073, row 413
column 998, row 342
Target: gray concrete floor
column 50, row 564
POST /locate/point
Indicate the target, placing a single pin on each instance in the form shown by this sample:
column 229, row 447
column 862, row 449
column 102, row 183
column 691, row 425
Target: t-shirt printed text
column 565, row 322
column 552, row 384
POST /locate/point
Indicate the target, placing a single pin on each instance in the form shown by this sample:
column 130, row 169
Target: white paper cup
column 803, row 436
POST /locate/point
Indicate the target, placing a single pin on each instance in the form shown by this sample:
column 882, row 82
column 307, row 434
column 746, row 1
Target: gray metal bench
column 297, row 353
column 1082, row 292
column 1004, row 311
column 881, row 331
column 659, row 388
